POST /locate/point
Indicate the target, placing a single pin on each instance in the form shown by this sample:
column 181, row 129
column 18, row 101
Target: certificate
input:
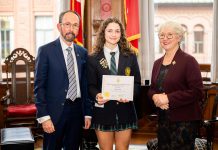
column 117, row 87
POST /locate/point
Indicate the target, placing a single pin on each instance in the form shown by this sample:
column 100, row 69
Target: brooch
column 103, row 63
column 127, row 71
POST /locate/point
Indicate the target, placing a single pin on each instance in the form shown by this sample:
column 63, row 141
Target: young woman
column 113, row 120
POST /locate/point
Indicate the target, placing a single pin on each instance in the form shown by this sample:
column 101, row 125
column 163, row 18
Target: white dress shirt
column 107, row 55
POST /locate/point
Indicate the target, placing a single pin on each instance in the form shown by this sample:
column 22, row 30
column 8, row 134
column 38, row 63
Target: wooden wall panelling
column 95, row 12
column 117, row 9
column 88, row 25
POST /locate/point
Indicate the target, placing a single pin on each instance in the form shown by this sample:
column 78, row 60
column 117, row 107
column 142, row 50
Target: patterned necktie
column 113, row 69
column 72, row 91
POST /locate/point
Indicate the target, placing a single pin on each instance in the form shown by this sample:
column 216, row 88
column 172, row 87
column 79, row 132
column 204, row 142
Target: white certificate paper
column 117, row 87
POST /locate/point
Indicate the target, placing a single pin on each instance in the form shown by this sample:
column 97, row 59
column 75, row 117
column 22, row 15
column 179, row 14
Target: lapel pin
column 174, row 62
column 103, row 63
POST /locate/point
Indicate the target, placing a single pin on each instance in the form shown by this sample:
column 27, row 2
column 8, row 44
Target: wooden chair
column 18, row 104
column 210, row 125
column 205, row 72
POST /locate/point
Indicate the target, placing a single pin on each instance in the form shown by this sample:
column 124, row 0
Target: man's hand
column 87, row 123
column 48, row 126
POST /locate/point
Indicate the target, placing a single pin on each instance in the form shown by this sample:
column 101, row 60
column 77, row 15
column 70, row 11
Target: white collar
column 64, row 45
column 108, row 50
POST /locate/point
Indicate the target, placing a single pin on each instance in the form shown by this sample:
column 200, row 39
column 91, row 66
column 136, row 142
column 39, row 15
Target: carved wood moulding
column 18, row 54
column 106, row 9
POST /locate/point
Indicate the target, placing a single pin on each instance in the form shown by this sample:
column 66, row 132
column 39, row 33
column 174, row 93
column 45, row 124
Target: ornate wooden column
column 88, row 25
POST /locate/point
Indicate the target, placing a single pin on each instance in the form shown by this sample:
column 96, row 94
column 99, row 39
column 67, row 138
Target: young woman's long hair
column 123, row 44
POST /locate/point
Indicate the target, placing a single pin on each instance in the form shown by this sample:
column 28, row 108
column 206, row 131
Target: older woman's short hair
column 178, row 29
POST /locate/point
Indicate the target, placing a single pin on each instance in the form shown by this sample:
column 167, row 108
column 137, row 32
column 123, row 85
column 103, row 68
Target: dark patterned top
column 162, row 74
column 161, row 77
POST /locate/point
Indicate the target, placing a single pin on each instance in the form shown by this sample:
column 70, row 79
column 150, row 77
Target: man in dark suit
column 60, row 92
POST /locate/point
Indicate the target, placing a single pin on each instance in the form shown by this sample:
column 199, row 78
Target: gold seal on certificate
column 106, row 94
column 117, row 87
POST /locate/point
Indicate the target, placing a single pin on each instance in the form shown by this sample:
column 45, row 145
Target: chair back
column 205, row 72
column 19, row 72
column 214, row 112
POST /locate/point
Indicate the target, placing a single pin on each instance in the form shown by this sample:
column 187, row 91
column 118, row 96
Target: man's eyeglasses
column 169, row 36
column 69, row 25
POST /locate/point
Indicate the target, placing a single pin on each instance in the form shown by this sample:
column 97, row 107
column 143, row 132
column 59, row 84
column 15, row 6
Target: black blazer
column 97, row 67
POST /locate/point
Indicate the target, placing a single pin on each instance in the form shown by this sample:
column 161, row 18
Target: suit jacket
column 183, row 86
column 97, row 67
column 51, row 80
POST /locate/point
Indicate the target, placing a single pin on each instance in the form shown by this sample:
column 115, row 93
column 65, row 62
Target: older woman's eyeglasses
column 169, row 36
column 69, row 25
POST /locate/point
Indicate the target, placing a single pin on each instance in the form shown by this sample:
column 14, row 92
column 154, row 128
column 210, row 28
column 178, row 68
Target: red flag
column 132, row 22
column 75, row 5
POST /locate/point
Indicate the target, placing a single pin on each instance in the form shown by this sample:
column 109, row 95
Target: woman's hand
column 100, row 100
column 122, row 100
column 164, row 107
column 161, row 100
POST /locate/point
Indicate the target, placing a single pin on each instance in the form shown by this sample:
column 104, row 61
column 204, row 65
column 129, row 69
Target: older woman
column 176, row 90
column 113, row 120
